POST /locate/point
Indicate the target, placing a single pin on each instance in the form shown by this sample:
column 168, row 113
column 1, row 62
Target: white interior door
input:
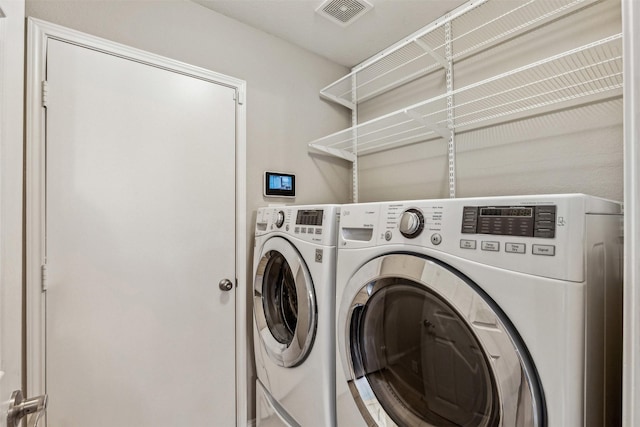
column 140, row 229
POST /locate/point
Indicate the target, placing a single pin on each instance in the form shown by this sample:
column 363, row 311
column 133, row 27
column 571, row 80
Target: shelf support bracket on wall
column 330, row 97
column 343, row 154
column 443, row 132
column 442, row 61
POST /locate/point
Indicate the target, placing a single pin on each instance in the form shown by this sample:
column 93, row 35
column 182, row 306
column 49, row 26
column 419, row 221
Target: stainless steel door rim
column 284, row 303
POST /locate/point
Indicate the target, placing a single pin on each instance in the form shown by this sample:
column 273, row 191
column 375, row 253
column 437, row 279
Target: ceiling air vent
column 344, row 12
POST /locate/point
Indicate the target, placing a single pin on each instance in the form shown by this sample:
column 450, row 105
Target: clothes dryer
column 294, row 315
column 502, row 311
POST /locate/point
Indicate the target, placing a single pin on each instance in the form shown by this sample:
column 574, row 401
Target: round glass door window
column 426, row 347
column 280, row 299
column 284, row 304
column 419, row 356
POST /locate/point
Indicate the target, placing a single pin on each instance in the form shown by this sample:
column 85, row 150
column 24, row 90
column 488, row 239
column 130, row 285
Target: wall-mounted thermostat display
column 278, row 184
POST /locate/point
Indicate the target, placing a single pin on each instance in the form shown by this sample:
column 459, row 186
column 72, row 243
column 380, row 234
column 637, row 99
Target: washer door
column 424, row 346
column 284, row 303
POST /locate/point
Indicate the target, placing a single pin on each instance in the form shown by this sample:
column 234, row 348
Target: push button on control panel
column 469, row 219
column 515, row 248
column 548, row 250
column 490, row 246
column 545, row 222
column 436, row 239
column 467, row 244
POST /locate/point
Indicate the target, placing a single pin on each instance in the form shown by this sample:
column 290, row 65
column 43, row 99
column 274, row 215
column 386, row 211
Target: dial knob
column 279, row 219
column 411, row 223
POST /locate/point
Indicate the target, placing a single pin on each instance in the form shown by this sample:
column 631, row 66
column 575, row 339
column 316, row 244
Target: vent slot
column 343, row 12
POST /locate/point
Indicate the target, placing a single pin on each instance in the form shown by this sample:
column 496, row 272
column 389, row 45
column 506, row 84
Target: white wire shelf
column 584, row 74
column 424, row 51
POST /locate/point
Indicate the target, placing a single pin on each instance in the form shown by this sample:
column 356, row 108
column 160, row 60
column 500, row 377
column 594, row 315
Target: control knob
column 411, row 223
column 279, row 219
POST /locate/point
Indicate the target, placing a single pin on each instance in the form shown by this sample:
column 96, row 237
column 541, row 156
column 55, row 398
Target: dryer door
column 284, row 303
column 424, row 346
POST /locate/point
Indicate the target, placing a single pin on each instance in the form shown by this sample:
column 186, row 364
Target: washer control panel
column 316, row 224
column 531, row 234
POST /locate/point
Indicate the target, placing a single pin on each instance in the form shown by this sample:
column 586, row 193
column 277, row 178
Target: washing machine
column 294, row 315
column 501, row 311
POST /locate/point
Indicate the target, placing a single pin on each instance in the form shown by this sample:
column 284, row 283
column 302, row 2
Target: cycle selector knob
column 411, row 223
column 279, row 219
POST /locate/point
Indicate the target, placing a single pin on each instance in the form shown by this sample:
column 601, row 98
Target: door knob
column 19, row 407
column 225, row 285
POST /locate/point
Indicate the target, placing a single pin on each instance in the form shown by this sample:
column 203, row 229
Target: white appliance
column 294, row 315
column 502, row 311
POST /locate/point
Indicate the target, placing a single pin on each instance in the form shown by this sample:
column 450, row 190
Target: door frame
column 38, row 33
column 11, row 159
column 631, row 99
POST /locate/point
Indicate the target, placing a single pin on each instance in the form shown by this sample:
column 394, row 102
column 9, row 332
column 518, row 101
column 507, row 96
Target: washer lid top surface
column 423, row 345
column 284, row 303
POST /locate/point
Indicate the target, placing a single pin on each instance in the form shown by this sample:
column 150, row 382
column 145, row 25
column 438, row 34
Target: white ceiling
column 297, row 22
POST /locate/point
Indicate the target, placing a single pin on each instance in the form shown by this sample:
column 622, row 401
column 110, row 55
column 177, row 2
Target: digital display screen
column 278, row 184
column 309, row 217
column 281, row 182
column 524, row 221
column 509, row 212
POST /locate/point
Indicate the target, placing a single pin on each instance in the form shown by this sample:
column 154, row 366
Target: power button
column 436, row 239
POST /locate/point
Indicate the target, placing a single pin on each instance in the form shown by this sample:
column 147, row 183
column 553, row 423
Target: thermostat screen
column 279, row 184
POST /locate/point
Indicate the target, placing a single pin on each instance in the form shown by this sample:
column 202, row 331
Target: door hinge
column 45, row 93
column 43, row 277
column 238, row 96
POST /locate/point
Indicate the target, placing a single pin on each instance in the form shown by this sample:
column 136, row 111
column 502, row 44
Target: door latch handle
column 20, row 407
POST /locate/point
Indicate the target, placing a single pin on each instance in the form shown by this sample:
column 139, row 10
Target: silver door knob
column 225, row 285
column 20, row 407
